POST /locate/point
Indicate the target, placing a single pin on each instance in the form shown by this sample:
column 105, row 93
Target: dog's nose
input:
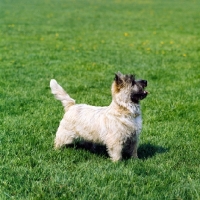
column 144, row 83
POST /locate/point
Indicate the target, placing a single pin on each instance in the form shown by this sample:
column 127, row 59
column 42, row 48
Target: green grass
column 82, row 44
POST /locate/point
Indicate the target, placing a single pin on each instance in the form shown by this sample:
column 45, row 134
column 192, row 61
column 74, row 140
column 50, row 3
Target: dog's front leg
column 134, row 147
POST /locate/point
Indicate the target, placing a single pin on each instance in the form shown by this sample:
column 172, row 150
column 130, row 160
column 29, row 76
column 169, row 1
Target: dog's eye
column 133, row 83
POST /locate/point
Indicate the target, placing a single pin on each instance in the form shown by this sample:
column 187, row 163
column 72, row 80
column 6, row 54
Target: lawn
column 82, row 44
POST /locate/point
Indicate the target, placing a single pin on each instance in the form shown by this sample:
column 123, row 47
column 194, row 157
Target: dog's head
column 127, row 89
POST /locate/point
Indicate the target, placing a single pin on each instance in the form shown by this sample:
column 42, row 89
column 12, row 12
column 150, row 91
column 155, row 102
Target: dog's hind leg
column 63, row 137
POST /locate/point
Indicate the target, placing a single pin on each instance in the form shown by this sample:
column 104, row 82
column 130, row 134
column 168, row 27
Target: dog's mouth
column 142, row 95
column 139, row 96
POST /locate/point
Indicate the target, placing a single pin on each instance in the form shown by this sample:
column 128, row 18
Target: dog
column 117, row 126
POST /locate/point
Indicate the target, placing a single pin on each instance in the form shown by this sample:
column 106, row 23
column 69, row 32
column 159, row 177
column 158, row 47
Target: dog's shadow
column 148, row 150
column 145, row 150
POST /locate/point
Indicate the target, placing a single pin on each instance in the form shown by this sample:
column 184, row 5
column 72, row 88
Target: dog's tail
column 61, row 95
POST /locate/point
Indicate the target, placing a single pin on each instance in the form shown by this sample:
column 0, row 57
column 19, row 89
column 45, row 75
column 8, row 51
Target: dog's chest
column 131, row 125
column 138, row 124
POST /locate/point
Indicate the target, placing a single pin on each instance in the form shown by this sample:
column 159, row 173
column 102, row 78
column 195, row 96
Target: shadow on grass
column 97, row 149
column 145, row 151
column 148, row 150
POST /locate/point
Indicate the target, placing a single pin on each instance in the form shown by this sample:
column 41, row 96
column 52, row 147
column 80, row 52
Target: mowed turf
column 82, row 44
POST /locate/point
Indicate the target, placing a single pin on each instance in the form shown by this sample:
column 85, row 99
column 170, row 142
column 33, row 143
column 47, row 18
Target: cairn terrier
column 117, row 126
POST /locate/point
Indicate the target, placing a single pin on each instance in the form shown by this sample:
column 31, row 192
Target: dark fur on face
column 140, row 93
column 137, row 91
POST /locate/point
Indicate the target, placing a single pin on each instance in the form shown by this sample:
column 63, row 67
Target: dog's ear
column 118, row 78
column 132, row 77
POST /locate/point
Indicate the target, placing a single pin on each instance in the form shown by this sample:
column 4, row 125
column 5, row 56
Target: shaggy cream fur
column 117, row 126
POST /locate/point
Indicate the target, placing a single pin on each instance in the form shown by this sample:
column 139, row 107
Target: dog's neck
column 129, row 108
